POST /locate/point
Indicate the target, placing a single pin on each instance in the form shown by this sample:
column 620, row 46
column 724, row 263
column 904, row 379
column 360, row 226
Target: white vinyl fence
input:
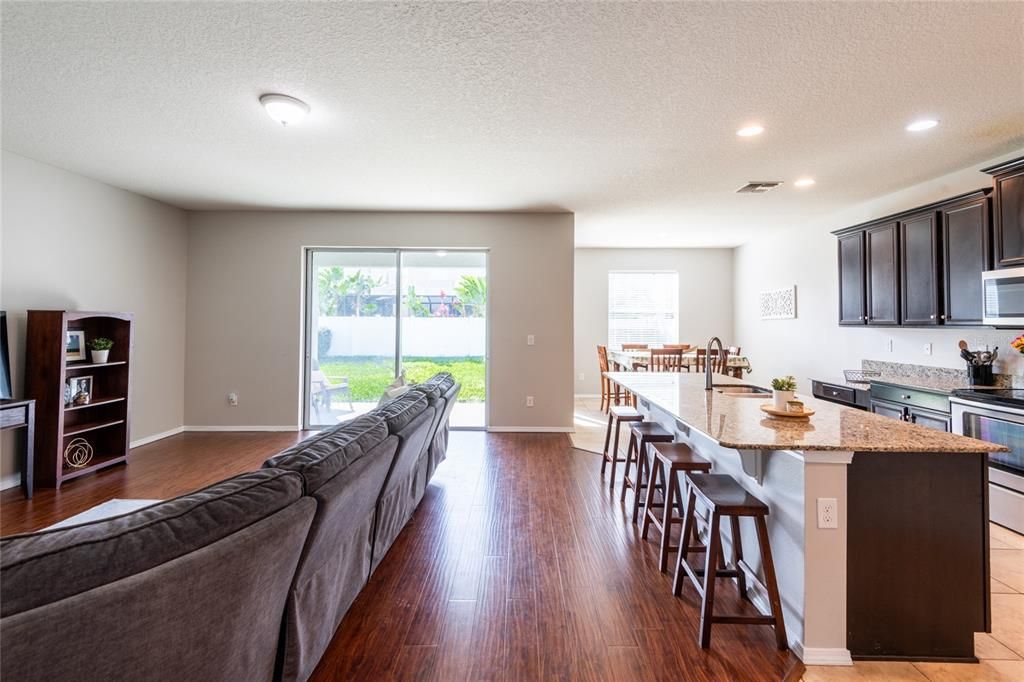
column 422, row 336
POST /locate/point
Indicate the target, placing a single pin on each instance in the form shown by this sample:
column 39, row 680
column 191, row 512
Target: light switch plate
column 927, row 349
column 529, row 339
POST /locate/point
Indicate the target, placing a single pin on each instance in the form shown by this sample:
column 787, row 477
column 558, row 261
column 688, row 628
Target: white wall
column 71, row 243
column 243, row 328
column 814, row 345
column 705, row 299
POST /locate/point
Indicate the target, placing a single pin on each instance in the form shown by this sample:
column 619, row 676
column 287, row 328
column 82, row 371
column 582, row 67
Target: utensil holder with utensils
column 979, row 364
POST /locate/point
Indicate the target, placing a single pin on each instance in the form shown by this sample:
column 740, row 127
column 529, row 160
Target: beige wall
column 72, row 243
column 813, row 345
column 245, row 314
column 705, row 299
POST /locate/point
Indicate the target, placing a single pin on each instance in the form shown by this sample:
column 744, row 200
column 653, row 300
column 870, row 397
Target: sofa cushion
column 320, row 458
column 443, row 381
column 400, row 412
column 41, row 568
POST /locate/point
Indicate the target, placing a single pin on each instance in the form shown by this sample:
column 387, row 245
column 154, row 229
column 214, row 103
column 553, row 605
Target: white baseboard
column 156, row 436
column 241, row 428
column 822, row 656
column 10, row 481
column 531, row 429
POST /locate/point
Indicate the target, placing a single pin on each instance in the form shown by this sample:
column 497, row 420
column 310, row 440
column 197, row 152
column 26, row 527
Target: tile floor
column 1001, row 651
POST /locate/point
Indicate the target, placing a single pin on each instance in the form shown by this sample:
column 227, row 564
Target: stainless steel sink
column 742, row 390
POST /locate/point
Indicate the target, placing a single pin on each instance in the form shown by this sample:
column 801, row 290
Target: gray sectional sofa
column 247, row 579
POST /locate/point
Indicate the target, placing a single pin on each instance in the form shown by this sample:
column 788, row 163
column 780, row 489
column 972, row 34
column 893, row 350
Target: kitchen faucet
column 707, row 360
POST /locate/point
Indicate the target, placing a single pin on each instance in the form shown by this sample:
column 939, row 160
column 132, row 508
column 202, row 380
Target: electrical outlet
column 529, row 401
column 927, row 349
column 889, row 345
column 828, row 512
column 233, row 399
column 529, row 339
column 581, row 376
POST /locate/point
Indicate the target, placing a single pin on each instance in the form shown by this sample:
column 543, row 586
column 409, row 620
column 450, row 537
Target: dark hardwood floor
column 518, row 565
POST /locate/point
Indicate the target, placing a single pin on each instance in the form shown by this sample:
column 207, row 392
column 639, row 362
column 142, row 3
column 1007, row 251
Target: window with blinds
column 643, row 307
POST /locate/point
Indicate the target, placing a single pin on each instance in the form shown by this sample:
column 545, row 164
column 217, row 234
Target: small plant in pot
column 99, row 348
column 783, row 389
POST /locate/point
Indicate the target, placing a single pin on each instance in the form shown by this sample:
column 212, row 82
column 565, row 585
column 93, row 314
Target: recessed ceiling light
column 804, row 182
column 922, row 124
column 284, row 109
column 750, row 131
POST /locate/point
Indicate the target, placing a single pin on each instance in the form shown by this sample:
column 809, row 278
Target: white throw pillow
column 395, row 389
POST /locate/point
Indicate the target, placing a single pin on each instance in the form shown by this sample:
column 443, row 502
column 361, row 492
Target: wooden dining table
column 625, row 359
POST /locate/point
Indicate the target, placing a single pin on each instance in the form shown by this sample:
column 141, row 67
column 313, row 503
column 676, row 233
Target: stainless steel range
column 997, row 416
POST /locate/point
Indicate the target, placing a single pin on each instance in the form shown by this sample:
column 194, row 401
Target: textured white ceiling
column 622, row 113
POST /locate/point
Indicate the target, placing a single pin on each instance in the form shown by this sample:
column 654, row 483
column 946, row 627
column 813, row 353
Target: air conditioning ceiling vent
column 758, row 186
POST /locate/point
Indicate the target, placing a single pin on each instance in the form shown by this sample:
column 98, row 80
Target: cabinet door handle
column 933, row 317
column 942, row 317
column 906, row 397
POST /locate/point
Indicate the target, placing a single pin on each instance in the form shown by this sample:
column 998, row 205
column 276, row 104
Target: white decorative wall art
column 779, row 304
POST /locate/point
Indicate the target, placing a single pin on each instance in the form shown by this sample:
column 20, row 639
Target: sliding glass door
column 375, row 315
column 444, row 324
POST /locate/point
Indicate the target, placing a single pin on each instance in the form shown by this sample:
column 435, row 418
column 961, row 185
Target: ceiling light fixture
column 284, row 109
column 750, row 131
column 804, row 182
column 922, row 124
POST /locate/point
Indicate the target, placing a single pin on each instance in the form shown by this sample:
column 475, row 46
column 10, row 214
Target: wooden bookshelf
column 103, row 421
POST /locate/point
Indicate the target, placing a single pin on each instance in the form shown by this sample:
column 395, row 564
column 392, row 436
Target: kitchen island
column 902, row 571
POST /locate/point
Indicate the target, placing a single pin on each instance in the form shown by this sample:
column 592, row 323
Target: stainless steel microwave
column 1003, row 297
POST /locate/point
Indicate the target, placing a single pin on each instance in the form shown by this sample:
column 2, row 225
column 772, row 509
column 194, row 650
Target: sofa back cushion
column 44, row 567
column 190, row 589
column 321, row 457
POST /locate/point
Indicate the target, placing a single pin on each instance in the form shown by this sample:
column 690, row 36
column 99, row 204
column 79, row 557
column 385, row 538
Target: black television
column 5, row 359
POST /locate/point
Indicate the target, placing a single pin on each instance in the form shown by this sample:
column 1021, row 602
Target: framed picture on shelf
column 74, row 349
column 78, row 391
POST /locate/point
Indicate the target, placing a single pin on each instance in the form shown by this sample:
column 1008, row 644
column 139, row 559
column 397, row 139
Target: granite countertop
column 935, row 384
column 738, row 422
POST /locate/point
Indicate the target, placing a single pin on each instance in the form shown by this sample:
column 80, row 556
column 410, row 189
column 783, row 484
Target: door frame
column 307, row 336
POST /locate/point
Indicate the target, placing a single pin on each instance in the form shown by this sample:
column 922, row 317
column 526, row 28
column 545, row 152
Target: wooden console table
column 15, row 414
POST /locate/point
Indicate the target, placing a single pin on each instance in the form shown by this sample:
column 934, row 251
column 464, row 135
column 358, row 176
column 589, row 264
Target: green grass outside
column 368, row 376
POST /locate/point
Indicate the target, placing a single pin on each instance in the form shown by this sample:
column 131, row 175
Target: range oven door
column 1004, row 426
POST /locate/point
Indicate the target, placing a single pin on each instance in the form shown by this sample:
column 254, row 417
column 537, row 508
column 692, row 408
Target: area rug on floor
column 106, row 510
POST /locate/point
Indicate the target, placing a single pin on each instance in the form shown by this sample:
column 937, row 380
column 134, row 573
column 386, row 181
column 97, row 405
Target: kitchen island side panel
column 917, row 566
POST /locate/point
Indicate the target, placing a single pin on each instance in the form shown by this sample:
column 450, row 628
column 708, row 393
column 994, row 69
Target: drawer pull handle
column 906, row 397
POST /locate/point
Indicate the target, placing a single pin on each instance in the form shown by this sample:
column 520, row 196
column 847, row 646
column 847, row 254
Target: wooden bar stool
column 616, row 415
column 669, row 460
column 641, row 434
column 723, row 496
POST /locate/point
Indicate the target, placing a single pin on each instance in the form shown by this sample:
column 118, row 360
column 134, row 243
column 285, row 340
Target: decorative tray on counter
column 770, row 409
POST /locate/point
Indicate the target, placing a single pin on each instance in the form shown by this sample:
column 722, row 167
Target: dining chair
column 666, row 360
column 606, row 389
column 681, row 346
column 735, row 352
column 634, row 346
column 719, row 361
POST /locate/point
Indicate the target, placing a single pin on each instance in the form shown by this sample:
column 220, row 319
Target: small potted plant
column 99, row 348
column 783, row 389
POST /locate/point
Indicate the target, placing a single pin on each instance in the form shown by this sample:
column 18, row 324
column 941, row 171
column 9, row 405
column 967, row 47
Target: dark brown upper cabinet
column 919, row 269
column 851, row 280
column 883, row 300
column 1008, row 224
column 966, row 254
